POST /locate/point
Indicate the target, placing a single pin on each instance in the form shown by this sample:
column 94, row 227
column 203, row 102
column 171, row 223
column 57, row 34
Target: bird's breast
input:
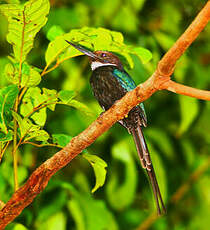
column 106, row 88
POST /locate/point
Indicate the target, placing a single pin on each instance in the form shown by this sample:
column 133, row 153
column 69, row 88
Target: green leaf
column 8, row 95
column 24, row 124
column 55, row 222
column 7, row 169
column 165, row 40
column 66, row 95
column 77, row 214
column 162, row 140
column 143, row 54
column 30, row 131
column 6, row 137
column 138, row 4
column 99, row 167
column 51, row 207
column 189, row 110
column 11, row 73
column 53, row 32
column 117, row 192
column 80, row 106
column 189, row 151
column 94, row 214
column 38, row 135
column 22, row 173
column 61, row 139
column 51, row 97
column 19, row 227
column 93, row 38
column 24, row 23
column 3, row 62
column 33, row 98
column 29, row 77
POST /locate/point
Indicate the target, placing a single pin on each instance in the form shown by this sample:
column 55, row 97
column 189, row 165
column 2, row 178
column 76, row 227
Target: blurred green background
column 178, row 132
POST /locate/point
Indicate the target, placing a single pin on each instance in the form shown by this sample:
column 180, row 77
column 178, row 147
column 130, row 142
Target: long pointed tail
column 146, row 163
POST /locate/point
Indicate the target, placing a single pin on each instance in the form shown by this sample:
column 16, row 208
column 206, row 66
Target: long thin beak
column 84, row 51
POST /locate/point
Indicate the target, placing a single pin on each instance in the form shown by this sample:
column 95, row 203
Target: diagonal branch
column 160, row 78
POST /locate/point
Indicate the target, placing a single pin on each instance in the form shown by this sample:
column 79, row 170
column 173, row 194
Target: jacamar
column 110, row 82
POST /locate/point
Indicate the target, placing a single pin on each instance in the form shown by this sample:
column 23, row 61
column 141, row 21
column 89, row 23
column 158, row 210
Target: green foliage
column 117, row 193
column 25, row 21
column 30, row 131
column 6, row 137
column 189, row 111
column 99, row 167
column 54, row 222
column 90, row 214
column 53, row 32
column 7, row 100
column 30, row 77
column 66, row 95
column 45, row 100
column 61, row 139
column 17, row 227
column 98, row 38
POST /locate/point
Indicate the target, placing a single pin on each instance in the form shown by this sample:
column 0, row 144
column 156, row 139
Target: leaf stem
column 45, row 71
column 3, row 150
column 22, row 93
column 14, row 151
column 40, row 145
column 15, row 146
column 21, row 49
column 40, row 106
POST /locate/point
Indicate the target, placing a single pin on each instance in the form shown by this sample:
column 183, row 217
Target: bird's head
column 99, row 58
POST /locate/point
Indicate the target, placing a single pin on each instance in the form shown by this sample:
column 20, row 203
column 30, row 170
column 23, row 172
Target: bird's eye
column 103, row 55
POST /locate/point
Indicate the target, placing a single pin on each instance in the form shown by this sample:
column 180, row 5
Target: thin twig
column 14, row 152
column 186, row 90
column 38, row 107
column 22, row 93
column 42, row 145
column 45, row 71
column 3, row 150
column 21, row 50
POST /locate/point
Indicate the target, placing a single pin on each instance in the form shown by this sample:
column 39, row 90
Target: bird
column 110, row 82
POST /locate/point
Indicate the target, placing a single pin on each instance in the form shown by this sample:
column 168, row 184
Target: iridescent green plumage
column 127, row 82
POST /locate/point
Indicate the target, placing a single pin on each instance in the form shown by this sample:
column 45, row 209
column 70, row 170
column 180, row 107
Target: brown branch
column 40, row 177
column 186, row 90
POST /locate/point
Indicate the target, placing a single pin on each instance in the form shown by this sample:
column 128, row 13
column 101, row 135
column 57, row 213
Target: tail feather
column 146, row 163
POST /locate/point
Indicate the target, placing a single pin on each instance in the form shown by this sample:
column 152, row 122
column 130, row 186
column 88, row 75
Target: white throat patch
column 97, row 64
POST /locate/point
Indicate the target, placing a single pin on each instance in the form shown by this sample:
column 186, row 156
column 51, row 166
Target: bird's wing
column 128, row 84
column 125, row 79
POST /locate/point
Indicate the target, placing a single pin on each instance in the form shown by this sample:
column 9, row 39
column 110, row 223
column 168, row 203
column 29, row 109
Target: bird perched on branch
column 110, row 82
